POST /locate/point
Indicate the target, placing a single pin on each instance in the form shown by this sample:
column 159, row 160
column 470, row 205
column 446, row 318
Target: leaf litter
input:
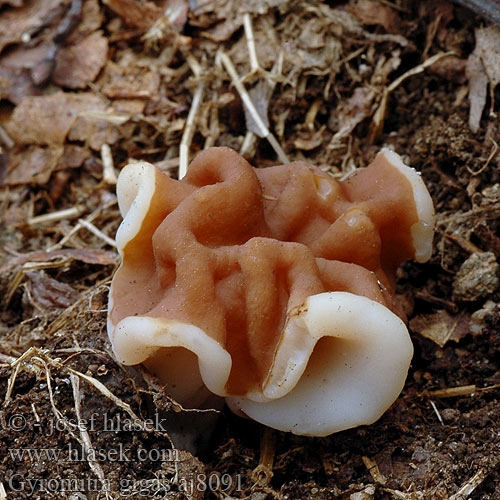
column 87, row 87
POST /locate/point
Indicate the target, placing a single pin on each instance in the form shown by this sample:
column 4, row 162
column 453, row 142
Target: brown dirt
column 441, row 439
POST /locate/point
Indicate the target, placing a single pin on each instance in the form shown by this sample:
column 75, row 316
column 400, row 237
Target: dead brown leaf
column 79, row 64
column 483, row 65
column 225, row 17
column 488, row 49
column 20, row 67
column 440, row 327
column 46, row 293
column 13, row 3
column 478, row 85
column 32, row 165
column 28, row 20
column 35, row 164
column 48, row 120
column 356, row 109
column 87, row 255
column 91, row 19
column 16, row 84
column 450, row 68
column 135, row 13
column 129, row 82
column 371, row 12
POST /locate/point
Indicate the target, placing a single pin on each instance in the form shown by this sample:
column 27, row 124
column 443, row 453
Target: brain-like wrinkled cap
column 272, row 287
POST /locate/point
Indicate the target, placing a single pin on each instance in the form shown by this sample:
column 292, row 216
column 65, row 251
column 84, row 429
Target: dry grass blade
column 378, row 118
column 374, row 470
column 247, row 101
column 263, row 473
column 5, row 138
column 454, row 392
column 67, row 213
column 97, row 232
column 30, row 266
column 108, row 168
column 118, row 402
column 187, row 136
column 247, row 24
column 467, row 489
column 87, row 444
column 436, row 411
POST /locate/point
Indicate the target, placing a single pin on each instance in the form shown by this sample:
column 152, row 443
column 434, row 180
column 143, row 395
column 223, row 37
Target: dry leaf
column 91, row 19
column 478, row 85
column 46, row 293
column 19, row 68
column 35, row 164
column 47, row 120
column 16, row 84
column 27, row 20
column 129, row 82
column 482, row 65
column 136, row 13
column 225, row 17
column 87, row 255
column 79, row 64
column 488, row 49
column 440, row 327
column 371, row 12
column 32, row 165
column 450, row 68
column 357, row 108
column 260, row 95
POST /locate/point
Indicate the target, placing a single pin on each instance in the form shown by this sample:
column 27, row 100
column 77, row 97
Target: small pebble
column 477, row 277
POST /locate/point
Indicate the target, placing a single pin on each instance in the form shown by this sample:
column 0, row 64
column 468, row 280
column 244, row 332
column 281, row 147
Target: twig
column 87, row 444
column 465, row 491
column 248, row 144
column 374, row 471
column 5, row 138
column 263, row 473
column 78, row 226
column 379, row 116
column 67, row 213
column 97, row 232
column 436, row 411
column 463, row 390
column 108, row 168
column 187, row 136
column 467, row 245
column 247, row 24
column 490, row 157
column 247, row 101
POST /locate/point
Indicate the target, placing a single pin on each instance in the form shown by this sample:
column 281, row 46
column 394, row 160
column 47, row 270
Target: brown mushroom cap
column 216, row 267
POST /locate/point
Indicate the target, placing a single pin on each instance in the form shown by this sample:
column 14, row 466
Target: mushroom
column 273, row 288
